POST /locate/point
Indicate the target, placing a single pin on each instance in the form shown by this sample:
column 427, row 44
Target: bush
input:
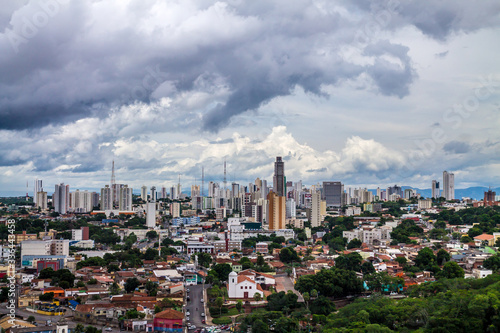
column 222, row 321
column 215, row 311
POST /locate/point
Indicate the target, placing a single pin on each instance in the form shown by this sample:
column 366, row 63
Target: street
column 195, row 306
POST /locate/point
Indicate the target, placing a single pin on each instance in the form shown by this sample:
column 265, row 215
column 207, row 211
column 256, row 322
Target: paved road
column 284, row 283
column 40, row 319
column 195, row 306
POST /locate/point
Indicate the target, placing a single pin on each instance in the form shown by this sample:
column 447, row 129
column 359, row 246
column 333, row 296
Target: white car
column 188, row 313
column 202, row 300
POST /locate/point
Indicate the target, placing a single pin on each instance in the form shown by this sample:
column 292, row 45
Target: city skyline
column 366, row 94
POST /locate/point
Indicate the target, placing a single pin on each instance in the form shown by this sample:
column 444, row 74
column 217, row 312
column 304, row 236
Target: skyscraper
column 332, row 193
column 276, row 213
column 279, row 177
column 106, row 198
column 144, row 192
column 316, row 217
column 41, row 199
column 38, row 188
column 448, row 185
column 125, row 202
column 435, row 189
column 60, row 199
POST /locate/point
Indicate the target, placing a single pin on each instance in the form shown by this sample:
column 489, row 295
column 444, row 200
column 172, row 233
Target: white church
column 245, row 284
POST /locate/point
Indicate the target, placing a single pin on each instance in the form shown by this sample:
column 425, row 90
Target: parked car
column 203, row 314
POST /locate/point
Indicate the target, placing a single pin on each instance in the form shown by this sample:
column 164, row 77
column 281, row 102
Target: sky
column 368, row 93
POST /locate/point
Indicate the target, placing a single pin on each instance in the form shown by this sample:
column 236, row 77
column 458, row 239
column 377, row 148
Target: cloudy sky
column 371, row 94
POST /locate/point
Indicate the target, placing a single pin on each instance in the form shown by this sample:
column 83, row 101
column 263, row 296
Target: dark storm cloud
column 457, row 147
column 89, row 56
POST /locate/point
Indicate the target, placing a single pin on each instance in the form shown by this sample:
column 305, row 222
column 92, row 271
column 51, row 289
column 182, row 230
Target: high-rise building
column 316, row 209
column 80, row 201
column 397, row 190
column 151, row 214
column 125, row 200
column 435, row 193
column 279, row 177
column 38, row 188
column 60, row 199
column 332, row 193
column 195, row 190
column 276, row 213
column 489, row 198
column 291, row 211
column 175, row 209
column 41, row 200
column 106, row 198
column 173, row 193
column 144, row 193
column 152, row 196
column 264, row 191
column 448, row 185
column 163, row 192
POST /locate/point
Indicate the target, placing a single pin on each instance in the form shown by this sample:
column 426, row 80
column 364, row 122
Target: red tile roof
column 170, row 314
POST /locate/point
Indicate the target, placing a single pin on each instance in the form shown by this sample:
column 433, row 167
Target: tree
column 222, row 271
column 47, row 297
column 367, row 268
column 256, row 297
column 79, row 328
column 354, row 244
column 306, row 297
column 204, row 259
column 288, row 255
column 259, row 327
column 31, row 319
column 322, row 306
column 239, row 305
column 114, row 289
column 260, row 261
column 425, row 258
column 245, row 263
column 442, row 257
column 219, row 301
column 280, row 301
column 150, row 254
column 466, row 239
column 351, row 261
column 492, row 263
column 131, row 284
column 64, row 284
column 401, row 261
column 151, row 235
column 451, row 270
column 152, row 288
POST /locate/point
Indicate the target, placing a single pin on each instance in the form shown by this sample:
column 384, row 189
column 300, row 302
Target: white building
column 77, row 234
column 106, row 198
column 80, row 201
column 316, row 217
column 247, row 283
column 60, row 199
column 41, row 200
column 125, row 198
column 290, row 208
column 151, row 214
column 175, row 209
column 448, row 185
column 351, row 211
column 368, row 234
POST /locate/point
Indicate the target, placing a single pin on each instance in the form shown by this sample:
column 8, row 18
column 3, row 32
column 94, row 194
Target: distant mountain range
column 470, row 192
